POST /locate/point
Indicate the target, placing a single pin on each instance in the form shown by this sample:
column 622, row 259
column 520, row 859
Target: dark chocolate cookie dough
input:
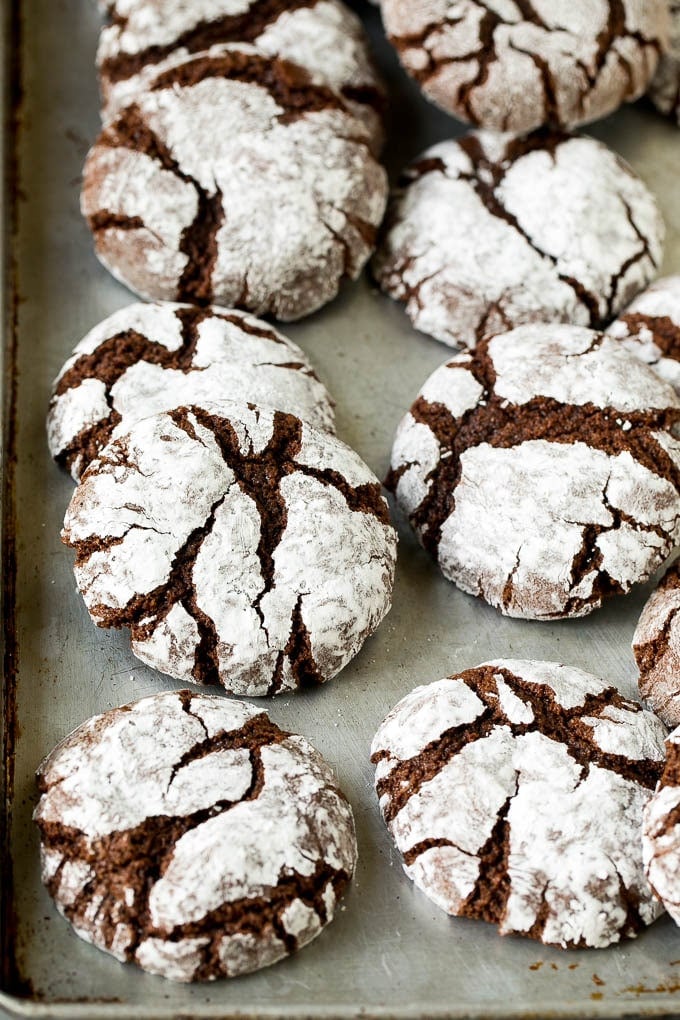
column 542, row 471
column 513, row 65
column 190, row 835
column 492, row 231
column 323, row 36
column 514, row 792
column 656, row 647
column 661, row 832
column 241, row 546
column 650, row 328
column 153, row 357
column 235, row 179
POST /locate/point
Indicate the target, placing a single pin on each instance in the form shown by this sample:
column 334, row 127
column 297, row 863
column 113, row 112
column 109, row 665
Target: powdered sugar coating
column 491, row 231
column 268, row 215
column 324, row 37
column 650, row 328
column 510, row 65
column 656, row 647
column 190, row 835
column 241, row 547
column 665, row 88
column 541, row 471
column 661, row 832
column 148, row 358
column 515, row 793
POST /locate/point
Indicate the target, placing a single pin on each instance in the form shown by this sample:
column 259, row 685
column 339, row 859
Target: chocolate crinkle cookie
column 190, row 835
column 153, row 357
column 493, row 231
column 516, row 65
column 656, row 647
column 514, row 792
column 241, row 547
column 235, row 179
column 541, row 470
column 661, row 832
column 650, row 328
column 323, row 36
column 665, row 88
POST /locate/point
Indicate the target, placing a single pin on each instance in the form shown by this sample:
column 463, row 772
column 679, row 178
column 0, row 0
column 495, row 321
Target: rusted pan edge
column 9, row 304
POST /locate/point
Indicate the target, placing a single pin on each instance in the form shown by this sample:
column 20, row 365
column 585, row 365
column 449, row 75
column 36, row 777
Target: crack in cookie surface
column 656, row 648
column 129, row 890
column 186, row 245
column 227, row 366
column 481, row 778
column 650, row 328
column 494, row 189
column 455, row 433
column 265, row 482
column 661, row 831
column 549, row 718
column 244, row 27
column 474, row 63
column 127, row 58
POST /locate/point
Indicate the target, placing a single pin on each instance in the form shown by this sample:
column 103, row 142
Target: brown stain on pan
column 669, row 988
column 12, row 981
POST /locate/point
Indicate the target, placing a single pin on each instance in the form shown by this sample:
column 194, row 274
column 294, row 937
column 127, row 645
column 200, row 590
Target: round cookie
column 514, row 792
column 153, row 357
column 650, row 328
column 235, row 180
column 656, row 647
column 661, row 832
column 190, row 835
column 492, row 231
column 241, row 547
column 323, row 36
column 665, row 88
column 515, row 65
column 541, row 470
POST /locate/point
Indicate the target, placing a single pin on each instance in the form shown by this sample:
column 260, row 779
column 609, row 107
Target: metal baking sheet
column 390, row 952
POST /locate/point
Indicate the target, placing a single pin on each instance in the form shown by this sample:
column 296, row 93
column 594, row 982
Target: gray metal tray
column 390, row 952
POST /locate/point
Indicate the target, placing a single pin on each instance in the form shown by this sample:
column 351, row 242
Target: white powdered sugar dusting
column 650, row 328
column 661, row 832
column 656, row 647
column 284, row 538
column 516, row 813
column 559, row 487
column 326, row 38
column 182, row 218
column 491, row 232
column 508, row 65
column 214, row 790
column 574, row 366
column 227, row 356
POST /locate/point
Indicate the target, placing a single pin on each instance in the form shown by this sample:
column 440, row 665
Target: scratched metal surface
column 389, row 952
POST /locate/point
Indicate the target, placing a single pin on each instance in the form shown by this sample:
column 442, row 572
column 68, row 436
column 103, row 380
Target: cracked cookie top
column 492, row 231
column 541, row 470
column 235, row 179
column 665, row 88
column 650, row 328
column 656, row 647
column 514, row 65
column 323, row 36
column 514, row 792
column 241, row 547
column 153, row 357
column 661, row 832
column 190, row 835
